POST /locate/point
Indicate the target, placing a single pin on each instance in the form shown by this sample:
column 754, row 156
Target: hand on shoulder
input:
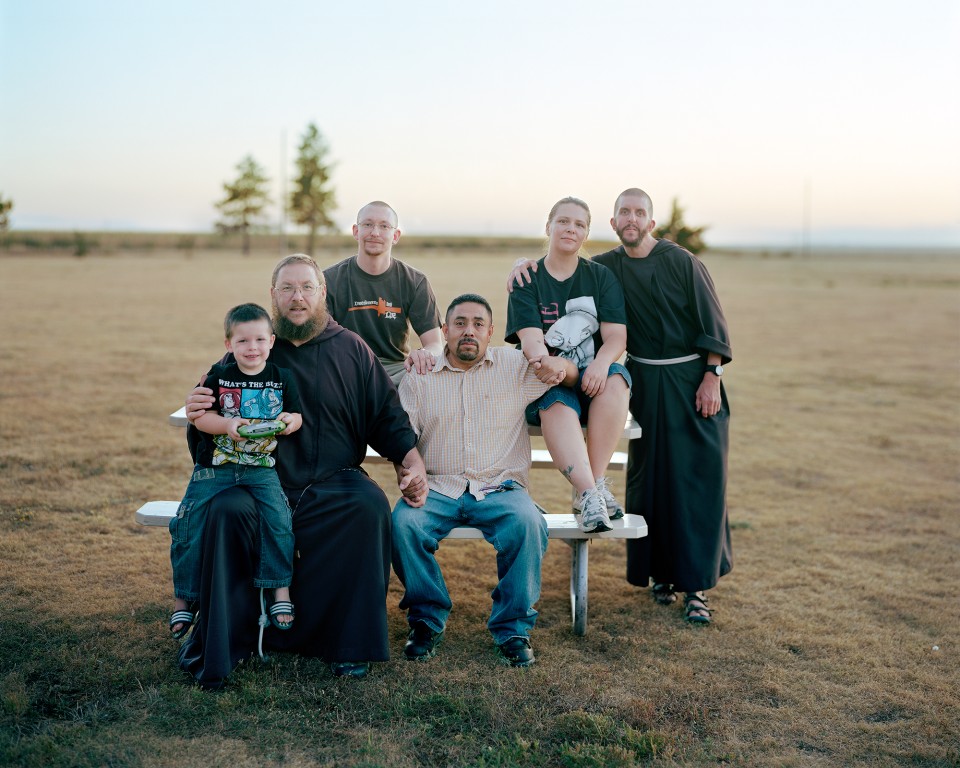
column 420, row 361
column 520, row 273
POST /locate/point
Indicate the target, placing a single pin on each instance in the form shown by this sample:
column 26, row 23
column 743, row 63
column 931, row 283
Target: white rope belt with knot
column 263, row 621
column 666, row 361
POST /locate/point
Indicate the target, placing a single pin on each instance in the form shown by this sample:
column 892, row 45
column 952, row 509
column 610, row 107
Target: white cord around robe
column 264, row 620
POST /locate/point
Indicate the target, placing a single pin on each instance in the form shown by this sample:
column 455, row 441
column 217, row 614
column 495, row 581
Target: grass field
column 835, row 637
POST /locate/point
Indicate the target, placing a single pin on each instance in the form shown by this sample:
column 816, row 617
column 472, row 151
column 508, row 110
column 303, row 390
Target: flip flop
column 281, row 608
column 186, row 618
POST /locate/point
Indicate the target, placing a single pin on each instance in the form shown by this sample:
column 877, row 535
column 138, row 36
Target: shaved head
column 634, row 192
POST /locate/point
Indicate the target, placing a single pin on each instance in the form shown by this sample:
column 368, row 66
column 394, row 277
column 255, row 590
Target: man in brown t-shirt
column 380, row 298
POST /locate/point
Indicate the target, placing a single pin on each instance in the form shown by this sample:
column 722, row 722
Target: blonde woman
column 570, row 319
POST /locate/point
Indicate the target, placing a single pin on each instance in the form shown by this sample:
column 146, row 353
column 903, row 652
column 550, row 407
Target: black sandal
column 663, row 594
column 695, row 607
column 281, row 608
column 185, row 619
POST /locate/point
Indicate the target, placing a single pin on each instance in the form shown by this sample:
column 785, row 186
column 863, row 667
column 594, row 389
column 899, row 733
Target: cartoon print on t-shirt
column 253, row 452
column 271, row 403
column 250, row 407
column 572, row 334
column 253, row 403
column 264, row 403
column 230, row 403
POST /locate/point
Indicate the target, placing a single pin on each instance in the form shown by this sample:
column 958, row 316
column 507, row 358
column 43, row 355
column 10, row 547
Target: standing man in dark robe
column 677, row 345
column 341, row 518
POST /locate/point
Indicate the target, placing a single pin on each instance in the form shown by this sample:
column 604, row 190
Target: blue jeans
column 572, row 397
column 276, row 526
column 508, row 519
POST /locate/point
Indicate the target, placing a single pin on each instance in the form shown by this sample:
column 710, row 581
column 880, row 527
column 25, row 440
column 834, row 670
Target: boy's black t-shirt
column 259, row 398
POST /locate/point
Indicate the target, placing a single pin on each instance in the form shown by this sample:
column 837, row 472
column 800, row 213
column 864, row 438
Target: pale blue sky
column 476, row 118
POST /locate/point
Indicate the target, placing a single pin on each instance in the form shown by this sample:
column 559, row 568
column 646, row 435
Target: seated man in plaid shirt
column 469, row 415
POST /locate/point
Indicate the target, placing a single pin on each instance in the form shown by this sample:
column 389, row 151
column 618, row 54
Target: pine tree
column 5, row 207
column 677, row 231
column 312, row 199
column 245, row 200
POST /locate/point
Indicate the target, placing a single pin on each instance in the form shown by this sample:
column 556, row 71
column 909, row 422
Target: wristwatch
column 716, row 370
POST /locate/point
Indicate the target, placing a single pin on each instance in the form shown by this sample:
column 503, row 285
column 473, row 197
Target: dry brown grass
column 845, row 471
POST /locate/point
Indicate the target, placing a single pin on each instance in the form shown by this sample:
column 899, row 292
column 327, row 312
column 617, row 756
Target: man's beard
column 467, row 354
column 313, row 327
column 632, row 243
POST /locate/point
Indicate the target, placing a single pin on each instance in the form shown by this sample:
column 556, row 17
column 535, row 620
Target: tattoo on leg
column 567, row 472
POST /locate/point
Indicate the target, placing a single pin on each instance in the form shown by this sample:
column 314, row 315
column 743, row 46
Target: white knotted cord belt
column 263, row 621
column 665, row 361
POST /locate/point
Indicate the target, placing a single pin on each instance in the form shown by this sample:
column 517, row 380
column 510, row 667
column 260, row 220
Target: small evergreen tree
column 5, row 207
column 312, row 199
column 245, row 200
column 677, row 231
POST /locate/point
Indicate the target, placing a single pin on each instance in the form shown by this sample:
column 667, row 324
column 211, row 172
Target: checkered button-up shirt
column 473, row 434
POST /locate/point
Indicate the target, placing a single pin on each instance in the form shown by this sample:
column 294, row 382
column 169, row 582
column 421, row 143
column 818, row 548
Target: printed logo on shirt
column 549, row 313
column 383, row 307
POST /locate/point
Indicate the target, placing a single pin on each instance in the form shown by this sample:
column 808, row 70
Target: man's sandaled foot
column 695, row 607
column 180, row 623
column 663, row 594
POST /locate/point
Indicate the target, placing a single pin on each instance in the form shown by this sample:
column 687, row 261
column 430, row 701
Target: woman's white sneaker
column 614, row 507
column 593, row 512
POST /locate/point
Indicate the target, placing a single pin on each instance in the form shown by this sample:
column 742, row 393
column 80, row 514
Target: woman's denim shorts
column 572, row 397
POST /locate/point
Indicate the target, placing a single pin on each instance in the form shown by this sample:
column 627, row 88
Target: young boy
column 248, row 390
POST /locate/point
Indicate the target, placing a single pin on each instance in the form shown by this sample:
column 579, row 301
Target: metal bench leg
column 579, row 569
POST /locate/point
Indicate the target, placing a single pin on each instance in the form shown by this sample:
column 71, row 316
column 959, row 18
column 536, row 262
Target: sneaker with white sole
column 593, row 512
column 614, row 507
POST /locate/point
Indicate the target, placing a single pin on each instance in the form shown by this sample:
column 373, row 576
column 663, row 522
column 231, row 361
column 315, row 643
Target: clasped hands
column 549, row 369
column 413, row 485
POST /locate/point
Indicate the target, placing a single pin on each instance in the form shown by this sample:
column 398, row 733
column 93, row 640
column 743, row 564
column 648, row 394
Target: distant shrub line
column 84, row 243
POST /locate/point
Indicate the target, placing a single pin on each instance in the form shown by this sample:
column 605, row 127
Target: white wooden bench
column 559, row 526
column 539, row 457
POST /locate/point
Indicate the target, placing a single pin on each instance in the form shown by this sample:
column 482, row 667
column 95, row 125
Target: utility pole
column 283, row 193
